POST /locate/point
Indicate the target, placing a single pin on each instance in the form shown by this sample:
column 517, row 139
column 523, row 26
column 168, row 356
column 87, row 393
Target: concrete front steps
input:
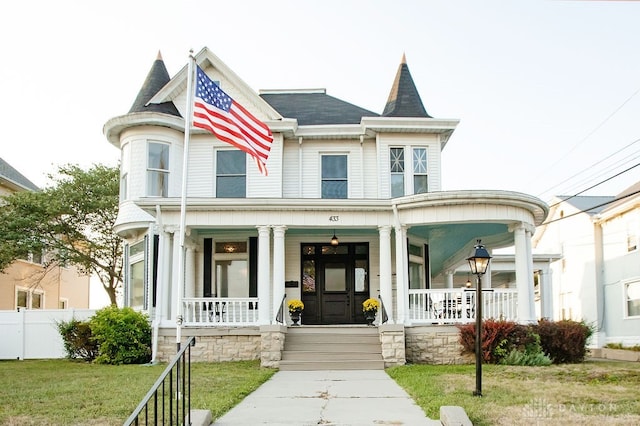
column 311, row 347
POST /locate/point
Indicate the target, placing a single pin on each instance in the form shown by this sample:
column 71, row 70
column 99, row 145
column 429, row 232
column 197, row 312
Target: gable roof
column 315, row 107
column 14, row 178
column 626, row 196
column 404, row 99
column 590, row 205
column 157, row 78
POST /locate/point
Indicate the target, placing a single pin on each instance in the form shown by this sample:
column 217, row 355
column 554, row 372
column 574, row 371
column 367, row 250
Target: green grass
column 603, row 393
column 62, row 392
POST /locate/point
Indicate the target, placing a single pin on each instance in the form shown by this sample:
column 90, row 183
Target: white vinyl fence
column 33, row 333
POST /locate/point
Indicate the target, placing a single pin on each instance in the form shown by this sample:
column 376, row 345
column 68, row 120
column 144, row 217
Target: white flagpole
column 183, row 201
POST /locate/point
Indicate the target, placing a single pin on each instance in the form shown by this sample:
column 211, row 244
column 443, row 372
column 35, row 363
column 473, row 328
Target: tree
column 72, row 221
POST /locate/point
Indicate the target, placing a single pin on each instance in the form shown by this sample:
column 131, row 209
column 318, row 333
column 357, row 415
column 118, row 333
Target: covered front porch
column 426, row 306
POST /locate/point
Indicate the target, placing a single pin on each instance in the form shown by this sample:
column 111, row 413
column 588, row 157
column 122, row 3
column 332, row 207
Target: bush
column 78, row 340
column 564, row 341
column 499, row 338
column 531, row 355
column 123, row 336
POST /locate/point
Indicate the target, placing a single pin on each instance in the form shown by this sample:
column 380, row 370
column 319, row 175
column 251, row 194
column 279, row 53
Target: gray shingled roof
column 311, row 108
column 9, row 173
column 404, row 99
column 157, row 78
column 587, row 203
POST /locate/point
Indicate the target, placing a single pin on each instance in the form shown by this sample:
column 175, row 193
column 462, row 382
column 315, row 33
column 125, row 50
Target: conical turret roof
column 157, row 78
column 404, row 99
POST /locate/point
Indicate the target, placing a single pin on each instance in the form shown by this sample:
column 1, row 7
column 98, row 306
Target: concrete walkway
column 337, row 397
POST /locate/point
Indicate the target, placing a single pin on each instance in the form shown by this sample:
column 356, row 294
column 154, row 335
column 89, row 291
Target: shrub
column 123, row 336
column 531, row 355
column 78, row 340
column 499, row 338
column 564, row 341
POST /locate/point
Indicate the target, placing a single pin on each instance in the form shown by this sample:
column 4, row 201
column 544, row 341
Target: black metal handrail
column 280, row 314
column 172, row 406
column 383, row 312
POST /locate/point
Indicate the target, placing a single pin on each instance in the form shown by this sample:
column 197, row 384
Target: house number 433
column 334, row 218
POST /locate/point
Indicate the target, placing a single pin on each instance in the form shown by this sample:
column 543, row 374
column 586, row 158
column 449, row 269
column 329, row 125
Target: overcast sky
column 543, row 89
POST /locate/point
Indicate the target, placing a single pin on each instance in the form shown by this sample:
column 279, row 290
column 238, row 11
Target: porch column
column 278, row 266
column 402, row 293
column 546, row 295
column 190, row 270
column 264, row 285
column 448, row 276
column 385, row 269
column 163, row 302
column 176, row 280
column 524, row 274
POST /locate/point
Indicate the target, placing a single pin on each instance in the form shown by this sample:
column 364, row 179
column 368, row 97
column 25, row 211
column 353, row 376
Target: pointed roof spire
column 157, row 78
column 404, row 99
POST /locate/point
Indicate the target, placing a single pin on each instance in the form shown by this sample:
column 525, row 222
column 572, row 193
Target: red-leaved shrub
column 564, row 341
column 499, row 337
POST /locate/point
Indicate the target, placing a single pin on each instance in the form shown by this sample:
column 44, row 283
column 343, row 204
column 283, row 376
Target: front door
column 334, row 283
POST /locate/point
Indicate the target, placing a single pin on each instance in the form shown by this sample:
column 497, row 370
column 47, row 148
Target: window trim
column 165, row 172
column 345, row 179
column 216, row 175
column 626, row 299
column 29, row 299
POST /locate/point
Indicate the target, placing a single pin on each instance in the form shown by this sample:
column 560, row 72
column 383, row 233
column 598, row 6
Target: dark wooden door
column 336, row 288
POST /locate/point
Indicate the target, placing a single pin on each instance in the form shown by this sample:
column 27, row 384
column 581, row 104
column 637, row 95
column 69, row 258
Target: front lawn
column 590, row 393
column 62, row 392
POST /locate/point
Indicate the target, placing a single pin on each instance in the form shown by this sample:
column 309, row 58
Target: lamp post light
column 478, row 263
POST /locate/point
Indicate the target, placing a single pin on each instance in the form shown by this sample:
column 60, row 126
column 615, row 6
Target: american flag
column 216, row 112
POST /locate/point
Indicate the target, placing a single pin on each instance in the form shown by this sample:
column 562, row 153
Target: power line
column 591, row 208
column 590, row 167
column 581, row 141
column 597, row 184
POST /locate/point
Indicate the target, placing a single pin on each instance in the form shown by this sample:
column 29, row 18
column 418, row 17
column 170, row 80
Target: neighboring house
column 597, row 278
column 371, row 180
column 26, row 283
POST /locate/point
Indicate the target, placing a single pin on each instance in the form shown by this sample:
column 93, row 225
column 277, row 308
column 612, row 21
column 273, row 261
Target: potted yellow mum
column 295, row 310
column 370, row 308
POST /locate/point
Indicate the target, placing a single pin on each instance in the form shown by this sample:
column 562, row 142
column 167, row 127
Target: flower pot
column 295, row 317
column 370, row 316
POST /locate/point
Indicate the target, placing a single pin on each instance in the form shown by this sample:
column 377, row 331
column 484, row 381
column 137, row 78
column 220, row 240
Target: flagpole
column 183, row 199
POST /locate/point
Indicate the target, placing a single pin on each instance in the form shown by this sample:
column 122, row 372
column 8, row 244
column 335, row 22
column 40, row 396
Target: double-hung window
column 420, row 170
column 158, row 169
column 29, row 299
column 632, row 298
column 412, row 176
column 231, row 174
column 137, row 279
column 397, row 172
column 334, row 176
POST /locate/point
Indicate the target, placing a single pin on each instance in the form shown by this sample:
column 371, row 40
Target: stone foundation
column 435, row 345
column 272, row 345
column 213, row 344
column 393, row 344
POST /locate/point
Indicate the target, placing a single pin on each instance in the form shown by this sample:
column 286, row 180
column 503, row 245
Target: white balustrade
column 451, row 306
column 220, row 311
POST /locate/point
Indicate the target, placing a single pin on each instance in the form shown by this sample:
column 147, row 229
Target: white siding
column 291, row 169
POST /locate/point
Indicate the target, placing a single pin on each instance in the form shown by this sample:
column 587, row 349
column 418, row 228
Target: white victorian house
column 372, row 180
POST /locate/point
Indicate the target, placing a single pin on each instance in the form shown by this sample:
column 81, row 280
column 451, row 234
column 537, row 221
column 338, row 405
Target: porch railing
column 450, row 306
column 220, row 311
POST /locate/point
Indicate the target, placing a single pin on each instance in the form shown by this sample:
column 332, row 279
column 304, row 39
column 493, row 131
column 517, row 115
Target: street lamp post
column 478, row 263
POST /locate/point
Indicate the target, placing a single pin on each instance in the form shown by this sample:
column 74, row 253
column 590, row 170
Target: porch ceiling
column 451, row 243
